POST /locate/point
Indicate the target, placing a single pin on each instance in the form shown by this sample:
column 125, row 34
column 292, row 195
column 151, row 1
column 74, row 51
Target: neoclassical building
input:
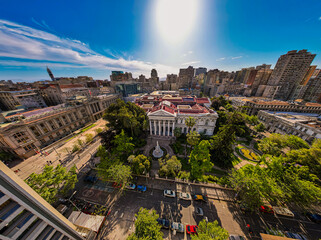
column 164, row 116
column 25, row 133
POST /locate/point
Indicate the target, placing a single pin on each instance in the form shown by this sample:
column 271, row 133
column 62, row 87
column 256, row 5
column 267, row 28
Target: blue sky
column 94, row 37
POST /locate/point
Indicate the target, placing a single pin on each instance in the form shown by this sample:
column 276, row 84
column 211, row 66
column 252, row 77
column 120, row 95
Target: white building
column 165, row 116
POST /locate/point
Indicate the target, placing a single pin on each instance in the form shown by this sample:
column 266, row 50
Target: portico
column 162, row 126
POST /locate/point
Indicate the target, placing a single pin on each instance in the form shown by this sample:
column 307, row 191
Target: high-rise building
column 25, row 215
column 313, row 89
column 308, row 75
column 289, row 71
column 50, row 74
column 200, row 70
column 186, row 77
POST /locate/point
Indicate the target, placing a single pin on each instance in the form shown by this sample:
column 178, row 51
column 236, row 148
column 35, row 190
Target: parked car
column 295, row 235
column 199, row 211
column 236, row 237
column 266, row 209
column 199, row 197
column 116, row 185
column 185, row 196
column 169, row 193
column 314, row 217
column 141, row 188
column 191, row 229
column 131, row 186
column 163, row 222
column 179, row 227
column 91, row 179
column 283, row 211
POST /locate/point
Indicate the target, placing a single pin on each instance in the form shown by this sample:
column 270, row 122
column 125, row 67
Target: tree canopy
column 53, row 181
column 169, row 167
column 118, row 173
column 210, row 231
column 128, row 117
column 139, row 164
column 123, row 145
column 146, row 226
column 200, row 159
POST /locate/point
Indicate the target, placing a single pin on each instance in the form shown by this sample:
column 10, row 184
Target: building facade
column 253, row 105
column 304, row 125
column 289, row 71
column 25, row 133
column 25, row 215
column 167, row 112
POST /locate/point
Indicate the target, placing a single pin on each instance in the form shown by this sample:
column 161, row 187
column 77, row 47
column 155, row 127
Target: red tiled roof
column 71, row 86
column 202, row 100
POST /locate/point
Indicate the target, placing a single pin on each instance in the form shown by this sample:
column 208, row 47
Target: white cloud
column 188, row 53
column 320, row 18
column 220, row 59
column 236, row 57
column 30, row 44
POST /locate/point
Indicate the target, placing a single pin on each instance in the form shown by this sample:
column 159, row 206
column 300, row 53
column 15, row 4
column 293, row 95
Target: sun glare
column 176, row 19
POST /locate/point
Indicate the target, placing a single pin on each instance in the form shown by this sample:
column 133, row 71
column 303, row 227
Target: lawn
column 81, row 131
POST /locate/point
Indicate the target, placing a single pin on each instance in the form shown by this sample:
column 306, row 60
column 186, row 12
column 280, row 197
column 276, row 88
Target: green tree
column 200, row 159
column 89, row 137
column 210, row 231
column 48, row 183
column 75, row 148
column 128, row 117
column 80, row 142
column 98, row 130
column 118, row 173
column 139, row 164
column 170, row 167
column 177, row 132
column 123, row 145
column 260, row 127
column 190, row 123
column 193, row 138
column 146, row 226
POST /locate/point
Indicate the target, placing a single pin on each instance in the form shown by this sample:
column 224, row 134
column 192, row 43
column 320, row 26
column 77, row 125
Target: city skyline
column 138, row 36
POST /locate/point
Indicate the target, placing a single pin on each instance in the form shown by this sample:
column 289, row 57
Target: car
column 184, row 196
column 266, row 209
column 178, row 227
column 131, row 186
column 116, row 185
column 163, row 222
column 283, row 211
column 199, row 197
column 199, row 211
column 191, row 229
column 141, row 188
column 91, row 179
column 169, row 193
column 236, row 237
column 295, row 235
column 314, row 217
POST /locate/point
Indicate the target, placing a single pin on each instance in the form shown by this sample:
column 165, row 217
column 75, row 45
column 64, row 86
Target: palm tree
column 190, row 123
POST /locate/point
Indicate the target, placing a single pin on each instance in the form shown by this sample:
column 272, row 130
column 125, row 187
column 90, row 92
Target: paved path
column 163, row 142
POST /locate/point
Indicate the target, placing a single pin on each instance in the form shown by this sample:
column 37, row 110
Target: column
column 173, row 128
column 164, row 130
column 150, row 127
column 159, row 125
column 168, row 128
column 154, row 127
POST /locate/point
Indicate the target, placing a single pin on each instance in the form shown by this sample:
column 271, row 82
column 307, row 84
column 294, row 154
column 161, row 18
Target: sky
column 92, row 38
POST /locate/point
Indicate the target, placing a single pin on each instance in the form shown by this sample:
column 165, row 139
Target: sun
column 176, row 19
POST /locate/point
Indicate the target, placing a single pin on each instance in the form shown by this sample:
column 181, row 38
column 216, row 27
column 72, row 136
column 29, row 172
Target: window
column 20, row 137
column 50, row 137
column 52, row 125
column 65, row 119
column 44, row 128
column 71, row 117
column 35, row 131
column 59, row 122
